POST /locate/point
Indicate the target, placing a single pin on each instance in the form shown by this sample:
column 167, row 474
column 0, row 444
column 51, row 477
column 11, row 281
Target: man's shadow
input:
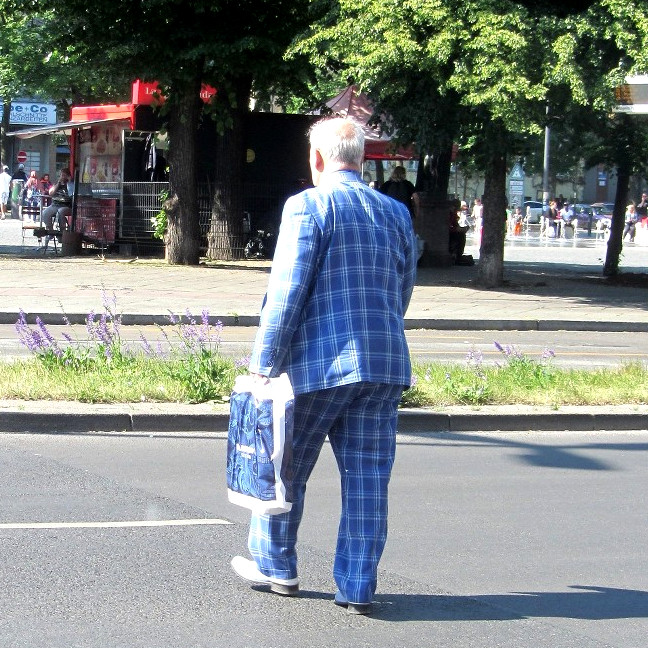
column 585, row 602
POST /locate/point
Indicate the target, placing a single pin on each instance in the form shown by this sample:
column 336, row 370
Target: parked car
column 602, row 216
column 533, row 209
column 584, row 214
column 603, row 209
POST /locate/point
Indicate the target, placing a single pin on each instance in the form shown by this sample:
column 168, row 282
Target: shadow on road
column 535, row 454
column 584, row 602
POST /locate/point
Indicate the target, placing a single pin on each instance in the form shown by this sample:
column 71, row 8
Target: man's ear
column 319, row 161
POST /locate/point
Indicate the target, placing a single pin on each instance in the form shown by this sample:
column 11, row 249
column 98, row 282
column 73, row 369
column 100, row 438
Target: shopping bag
column 259, row 445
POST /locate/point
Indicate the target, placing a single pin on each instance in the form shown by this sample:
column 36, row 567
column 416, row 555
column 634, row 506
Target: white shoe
column 248, row 571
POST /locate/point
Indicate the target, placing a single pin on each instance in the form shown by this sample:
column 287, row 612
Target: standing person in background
column 549, row 219
column 464, row 214
column 399, row 187
column 18, row 180
column 478, row 216
column 566, row 219
column 30, row 196
column 642, row 207
column 19, row 173
column 5, row 187
column 333, row 320
column 630, row 222
column 44, row 186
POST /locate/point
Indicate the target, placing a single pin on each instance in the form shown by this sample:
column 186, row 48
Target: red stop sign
column 21, row 157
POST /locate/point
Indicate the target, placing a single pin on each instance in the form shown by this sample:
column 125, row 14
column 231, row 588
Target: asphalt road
column 581, row 349
column 508, row 540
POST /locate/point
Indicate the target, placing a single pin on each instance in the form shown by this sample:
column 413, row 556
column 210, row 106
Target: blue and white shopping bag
column 259, row 445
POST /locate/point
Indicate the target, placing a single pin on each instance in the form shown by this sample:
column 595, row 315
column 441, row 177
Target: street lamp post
column 545, row 164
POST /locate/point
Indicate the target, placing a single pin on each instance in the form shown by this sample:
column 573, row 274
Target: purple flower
column 548, row 353
column 148, row 349
column 242, row 362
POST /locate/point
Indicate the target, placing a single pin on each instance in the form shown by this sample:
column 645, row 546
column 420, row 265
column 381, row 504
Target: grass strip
column 140, row 378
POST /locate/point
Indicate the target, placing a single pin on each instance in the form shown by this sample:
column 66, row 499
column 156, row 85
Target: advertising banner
column 31, row 114
column 100, row 153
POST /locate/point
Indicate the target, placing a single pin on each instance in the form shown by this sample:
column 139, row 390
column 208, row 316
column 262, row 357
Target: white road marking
column 113, row 525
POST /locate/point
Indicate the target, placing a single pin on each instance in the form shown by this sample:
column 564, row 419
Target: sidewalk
column 550, row 286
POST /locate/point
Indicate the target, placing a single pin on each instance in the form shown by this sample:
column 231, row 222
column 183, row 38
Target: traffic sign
column 517, row 173
column 22, row 157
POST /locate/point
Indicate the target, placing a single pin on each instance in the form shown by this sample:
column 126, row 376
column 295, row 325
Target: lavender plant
column 476, row 382
column 198, row 363
column 191, row 356
column 103, row 343
column 526, row 371
column 469, row 387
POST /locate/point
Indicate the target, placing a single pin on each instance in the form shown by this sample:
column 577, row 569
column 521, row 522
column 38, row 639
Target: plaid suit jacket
column 341, row 280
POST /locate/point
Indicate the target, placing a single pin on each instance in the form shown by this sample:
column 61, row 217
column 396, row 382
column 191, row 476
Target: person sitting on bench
column 55, row 217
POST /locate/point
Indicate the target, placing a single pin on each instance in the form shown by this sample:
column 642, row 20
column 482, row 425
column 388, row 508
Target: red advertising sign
column 147, row 94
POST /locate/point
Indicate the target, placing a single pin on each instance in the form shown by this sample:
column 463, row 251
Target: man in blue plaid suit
column 333, row 320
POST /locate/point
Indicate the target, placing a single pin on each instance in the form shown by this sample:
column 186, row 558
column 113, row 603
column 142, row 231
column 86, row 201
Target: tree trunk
column 183, row 229
column 380, row 173
column 615, row 242
column 490, row 271
column 423, row 182
column 433, row 177
column 226, row 239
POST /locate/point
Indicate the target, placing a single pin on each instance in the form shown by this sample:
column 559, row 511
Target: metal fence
column 141, row 201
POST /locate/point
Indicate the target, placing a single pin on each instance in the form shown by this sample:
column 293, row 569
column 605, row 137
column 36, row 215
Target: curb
column 410, row 421
column 140, row 319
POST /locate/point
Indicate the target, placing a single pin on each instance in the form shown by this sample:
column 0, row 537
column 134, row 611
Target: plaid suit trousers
column 360, row 421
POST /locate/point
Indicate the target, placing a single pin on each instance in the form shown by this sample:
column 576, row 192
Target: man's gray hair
column 338, row 140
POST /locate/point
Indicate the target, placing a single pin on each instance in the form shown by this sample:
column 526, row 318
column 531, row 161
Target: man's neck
column 333, row 167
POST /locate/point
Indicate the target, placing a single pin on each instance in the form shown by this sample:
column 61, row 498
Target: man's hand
column 264, row 380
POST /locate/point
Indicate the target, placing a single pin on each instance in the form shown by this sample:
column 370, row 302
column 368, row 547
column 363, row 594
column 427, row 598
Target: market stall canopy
column 357, row 106
column 62, row 127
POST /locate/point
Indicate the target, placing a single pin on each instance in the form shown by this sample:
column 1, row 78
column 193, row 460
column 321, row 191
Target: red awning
column 357, row 106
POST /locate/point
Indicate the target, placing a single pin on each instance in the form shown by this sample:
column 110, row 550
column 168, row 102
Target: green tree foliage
column 34, row 64
column 235, row 46
column 482, row 72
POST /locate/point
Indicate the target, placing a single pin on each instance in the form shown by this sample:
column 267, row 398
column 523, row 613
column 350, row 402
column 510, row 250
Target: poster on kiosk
column 100, row 153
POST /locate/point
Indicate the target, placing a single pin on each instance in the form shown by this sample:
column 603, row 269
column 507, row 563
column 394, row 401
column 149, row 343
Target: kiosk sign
column 31, row 113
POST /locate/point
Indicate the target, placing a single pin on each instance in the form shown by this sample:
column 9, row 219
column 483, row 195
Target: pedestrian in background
column 44, row 187
column 642, row 207
column 566, row 220
column 19, row 173
column 5, row 188
column 630, row 223
column 333, row 320
column 549, row 219
column 478, row 216
column 30, row 196
column 399, row 187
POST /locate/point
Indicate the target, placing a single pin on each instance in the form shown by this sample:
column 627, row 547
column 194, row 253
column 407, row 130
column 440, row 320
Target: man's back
column 346, row 264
